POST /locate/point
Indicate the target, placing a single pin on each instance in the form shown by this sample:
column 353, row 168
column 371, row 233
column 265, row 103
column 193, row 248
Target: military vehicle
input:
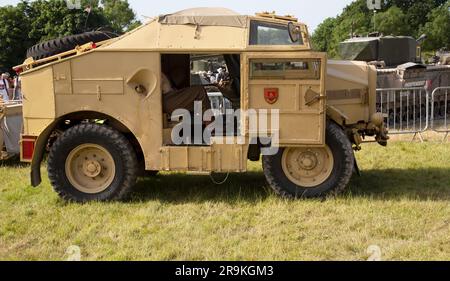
column 99, row 109
column 399, row 60
column 400, row 64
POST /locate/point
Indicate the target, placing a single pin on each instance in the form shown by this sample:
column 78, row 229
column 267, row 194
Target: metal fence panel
column 440, row 110
column 406, row 109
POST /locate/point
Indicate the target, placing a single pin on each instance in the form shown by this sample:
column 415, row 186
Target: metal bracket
column 311, row 97
column 99, row 93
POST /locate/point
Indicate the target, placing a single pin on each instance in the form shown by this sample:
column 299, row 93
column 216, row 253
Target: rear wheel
column 305, row 172
column 91, row 162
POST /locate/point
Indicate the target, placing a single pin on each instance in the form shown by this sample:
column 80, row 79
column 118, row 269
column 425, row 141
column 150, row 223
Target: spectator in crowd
column 219, row 75
column 4, row 87
column 212, row 78
column 222, row 76
column 17, row 88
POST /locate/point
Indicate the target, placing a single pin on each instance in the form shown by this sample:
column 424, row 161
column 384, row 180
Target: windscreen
column 264, row 33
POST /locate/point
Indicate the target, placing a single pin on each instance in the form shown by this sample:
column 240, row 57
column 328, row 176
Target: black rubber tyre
column 343, row 166
column 63, row 44
column 108, row 138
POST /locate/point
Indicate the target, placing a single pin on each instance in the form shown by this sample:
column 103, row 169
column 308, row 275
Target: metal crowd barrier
column 440, row 111
column 11, row 102
column 406, row 110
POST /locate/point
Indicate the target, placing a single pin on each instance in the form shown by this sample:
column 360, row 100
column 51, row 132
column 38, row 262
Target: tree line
column 31, row 22
column 397, row 17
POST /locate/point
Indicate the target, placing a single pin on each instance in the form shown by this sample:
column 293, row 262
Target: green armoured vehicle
column 398, row 59
column 400, row 65
column 385, row 51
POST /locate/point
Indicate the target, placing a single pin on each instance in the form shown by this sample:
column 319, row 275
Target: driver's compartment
column 206, row 71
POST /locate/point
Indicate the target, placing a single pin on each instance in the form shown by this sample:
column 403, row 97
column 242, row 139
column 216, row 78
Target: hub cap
column 90, row 168
column 307, row 167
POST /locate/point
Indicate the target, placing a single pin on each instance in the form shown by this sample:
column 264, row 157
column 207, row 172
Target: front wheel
column 306, row 172
column 92, row 162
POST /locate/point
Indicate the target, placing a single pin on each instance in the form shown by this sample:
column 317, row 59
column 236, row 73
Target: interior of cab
column 206, row 71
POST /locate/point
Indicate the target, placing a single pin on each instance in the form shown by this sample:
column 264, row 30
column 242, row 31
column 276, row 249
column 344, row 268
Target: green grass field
column 400, row 203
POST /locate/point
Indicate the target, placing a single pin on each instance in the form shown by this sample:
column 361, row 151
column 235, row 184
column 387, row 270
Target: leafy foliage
column 392, row 22
column 31, row 22
column 322, row 34
column 14, row 41
column 119, row 14
column 397, row 17
column 437, row 28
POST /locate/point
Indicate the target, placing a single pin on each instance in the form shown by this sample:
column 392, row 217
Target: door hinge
column 311, row 97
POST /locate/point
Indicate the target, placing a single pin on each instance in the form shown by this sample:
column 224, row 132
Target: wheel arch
column 60, row 124
column 336, row 116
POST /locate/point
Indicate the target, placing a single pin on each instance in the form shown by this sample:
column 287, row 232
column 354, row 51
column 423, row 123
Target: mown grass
column 400, row 203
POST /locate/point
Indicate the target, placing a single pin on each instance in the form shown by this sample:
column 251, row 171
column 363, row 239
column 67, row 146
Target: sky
column 311, row 12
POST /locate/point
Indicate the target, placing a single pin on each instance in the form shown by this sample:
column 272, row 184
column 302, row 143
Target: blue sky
column 311, row 12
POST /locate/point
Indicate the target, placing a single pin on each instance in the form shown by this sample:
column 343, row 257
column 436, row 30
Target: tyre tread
column 117, row 139
column 334, row 131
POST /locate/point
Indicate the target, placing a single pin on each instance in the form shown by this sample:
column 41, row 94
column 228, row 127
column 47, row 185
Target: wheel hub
column 90, row 168
column 307, row 167
column 307, row 161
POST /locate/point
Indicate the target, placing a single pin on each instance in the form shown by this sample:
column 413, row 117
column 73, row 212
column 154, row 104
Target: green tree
column 321, row 39
column 31, row 22
column 14, row 40
column 50, row 19
column 415, row 11
column 355, row 18
column 397, row 17
column 392, row 22
column 438, row 28
column 120, row 15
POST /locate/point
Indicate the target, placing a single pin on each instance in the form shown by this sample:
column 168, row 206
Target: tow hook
column 381, row 132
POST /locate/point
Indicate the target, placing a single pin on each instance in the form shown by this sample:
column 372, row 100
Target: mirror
column 294, row 32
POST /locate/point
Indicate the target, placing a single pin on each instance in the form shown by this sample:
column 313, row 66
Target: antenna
column 374, row 5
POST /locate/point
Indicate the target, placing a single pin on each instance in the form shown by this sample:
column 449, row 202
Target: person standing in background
column 4, row 88
column 17, row 88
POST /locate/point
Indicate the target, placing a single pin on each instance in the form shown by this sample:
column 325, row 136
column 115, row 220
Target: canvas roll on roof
column 205, row 17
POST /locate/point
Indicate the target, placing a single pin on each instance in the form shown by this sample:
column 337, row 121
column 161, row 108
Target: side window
column 264, row 33
column 284, row 69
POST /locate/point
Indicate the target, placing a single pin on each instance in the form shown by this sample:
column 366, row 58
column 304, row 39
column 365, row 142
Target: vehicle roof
column 197, row 30
column 201, row 29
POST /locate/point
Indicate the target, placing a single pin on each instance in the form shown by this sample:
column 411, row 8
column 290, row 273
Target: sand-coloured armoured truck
column 98, row 111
